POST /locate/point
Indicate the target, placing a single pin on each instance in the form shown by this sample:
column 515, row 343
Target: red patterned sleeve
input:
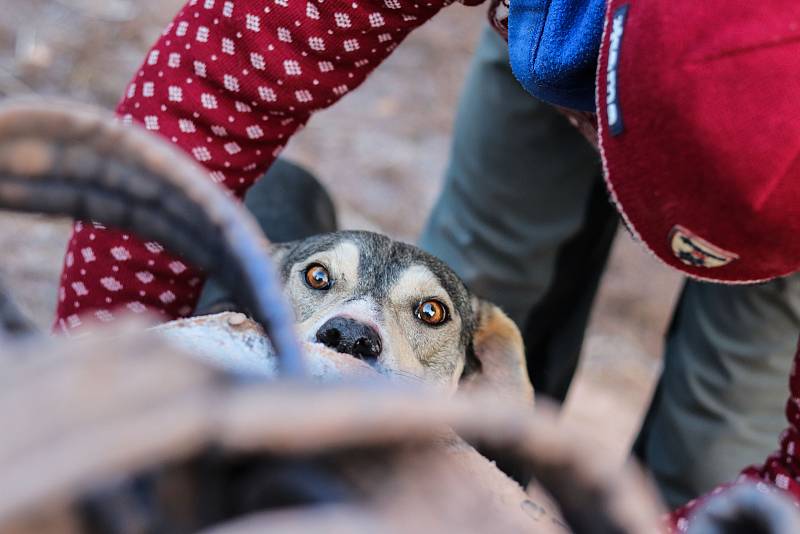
column 781, row 470
column 229, row 81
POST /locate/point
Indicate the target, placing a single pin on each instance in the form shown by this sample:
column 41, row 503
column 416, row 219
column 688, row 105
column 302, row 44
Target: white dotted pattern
column 229, row 82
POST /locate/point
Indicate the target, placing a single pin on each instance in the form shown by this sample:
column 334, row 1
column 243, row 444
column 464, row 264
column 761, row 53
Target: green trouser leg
column 720, row 401
column 523, row 219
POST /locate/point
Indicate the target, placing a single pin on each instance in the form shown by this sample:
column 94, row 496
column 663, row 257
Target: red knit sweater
column 229, row 82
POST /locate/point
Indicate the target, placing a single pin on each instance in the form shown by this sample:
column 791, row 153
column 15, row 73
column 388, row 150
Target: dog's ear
column 216, row 298
column 498, row 356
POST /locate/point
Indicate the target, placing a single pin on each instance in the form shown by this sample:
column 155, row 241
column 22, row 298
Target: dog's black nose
column 348, row 336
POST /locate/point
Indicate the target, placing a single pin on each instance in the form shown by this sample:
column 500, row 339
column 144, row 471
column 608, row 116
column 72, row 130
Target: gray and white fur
column 369, row 307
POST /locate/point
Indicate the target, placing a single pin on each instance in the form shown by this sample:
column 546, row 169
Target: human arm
column 229, row 82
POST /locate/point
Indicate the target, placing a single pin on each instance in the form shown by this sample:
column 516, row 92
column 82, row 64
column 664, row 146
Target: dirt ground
column 388, row 140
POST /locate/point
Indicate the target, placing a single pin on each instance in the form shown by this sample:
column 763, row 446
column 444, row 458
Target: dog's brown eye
column 431, row 312
column 317, row 277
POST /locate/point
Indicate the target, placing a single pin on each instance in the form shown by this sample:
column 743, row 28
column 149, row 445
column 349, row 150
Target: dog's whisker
column 405, row 375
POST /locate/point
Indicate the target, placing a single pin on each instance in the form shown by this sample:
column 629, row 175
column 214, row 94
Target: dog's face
column 397, row 308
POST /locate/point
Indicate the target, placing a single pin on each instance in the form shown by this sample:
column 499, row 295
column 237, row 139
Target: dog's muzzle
column 349, row 336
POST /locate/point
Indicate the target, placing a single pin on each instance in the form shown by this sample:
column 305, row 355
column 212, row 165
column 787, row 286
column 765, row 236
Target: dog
column 387, row 303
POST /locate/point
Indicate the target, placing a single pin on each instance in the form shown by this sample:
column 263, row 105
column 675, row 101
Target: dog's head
column 401, row 310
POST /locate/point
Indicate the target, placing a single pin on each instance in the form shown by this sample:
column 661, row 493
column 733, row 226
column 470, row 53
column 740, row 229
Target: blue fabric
column 554, row 46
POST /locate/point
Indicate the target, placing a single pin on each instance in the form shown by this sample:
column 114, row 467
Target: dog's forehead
column 382, row 263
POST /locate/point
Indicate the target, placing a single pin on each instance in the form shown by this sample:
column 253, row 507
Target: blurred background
column 381, row 152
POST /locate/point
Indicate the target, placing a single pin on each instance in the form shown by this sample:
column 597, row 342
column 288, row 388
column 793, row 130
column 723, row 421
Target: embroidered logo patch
column 696, row 251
